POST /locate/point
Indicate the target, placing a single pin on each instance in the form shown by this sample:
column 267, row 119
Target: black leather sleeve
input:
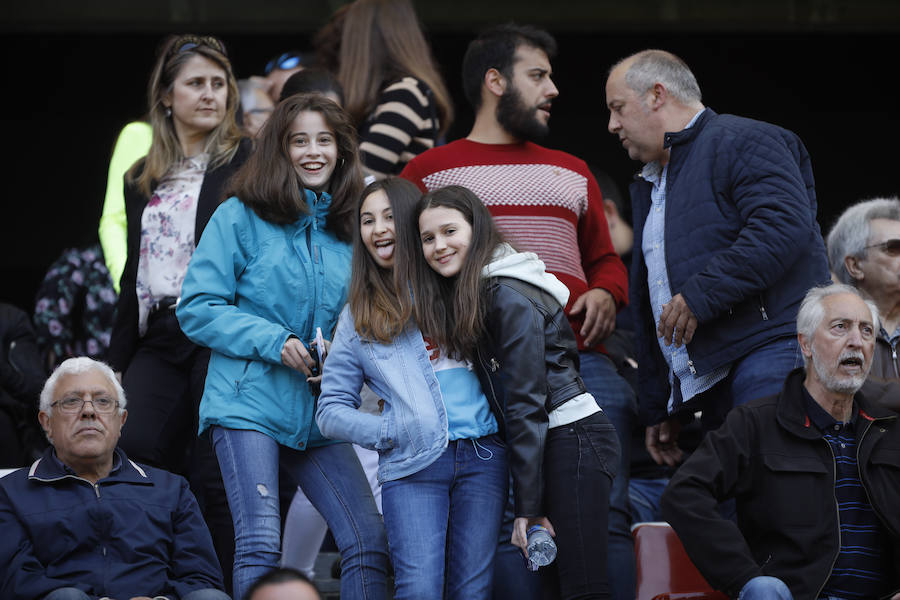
column 516, row 327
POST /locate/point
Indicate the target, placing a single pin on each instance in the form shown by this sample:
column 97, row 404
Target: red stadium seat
column 664, row 571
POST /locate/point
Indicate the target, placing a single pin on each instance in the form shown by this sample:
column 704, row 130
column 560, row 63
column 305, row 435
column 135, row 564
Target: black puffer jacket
column 781, row 472
column 529, row 366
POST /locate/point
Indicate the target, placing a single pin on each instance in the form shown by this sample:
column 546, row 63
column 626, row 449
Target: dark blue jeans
column 644, row 495
column 442, row 522
column 617, row 400
column 757, row 375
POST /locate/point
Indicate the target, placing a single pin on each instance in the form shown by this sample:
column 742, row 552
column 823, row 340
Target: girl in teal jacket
column 273, row 267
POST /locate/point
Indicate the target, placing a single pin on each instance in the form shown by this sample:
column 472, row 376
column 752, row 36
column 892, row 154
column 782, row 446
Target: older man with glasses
column 85, row 522
column 864, row 251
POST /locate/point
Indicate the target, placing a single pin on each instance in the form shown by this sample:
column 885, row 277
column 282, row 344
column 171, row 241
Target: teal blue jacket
column 250, row 285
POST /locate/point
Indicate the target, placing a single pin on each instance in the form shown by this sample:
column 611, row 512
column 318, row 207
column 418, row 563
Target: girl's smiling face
column 446, row 236
column 376, row 227
column 313, row 149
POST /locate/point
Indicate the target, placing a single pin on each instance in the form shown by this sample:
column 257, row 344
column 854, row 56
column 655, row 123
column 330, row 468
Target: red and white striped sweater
column 542, row 200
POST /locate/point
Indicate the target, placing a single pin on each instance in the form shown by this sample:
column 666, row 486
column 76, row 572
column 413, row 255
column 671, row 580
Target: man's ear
column 495, row 82
column 44, row 420
column 656, row 96
column 851, row 263
column 805, row 345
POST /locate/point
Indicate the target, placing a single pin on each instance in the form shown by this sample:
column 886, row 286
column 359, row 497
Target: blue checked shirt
column 654, row 248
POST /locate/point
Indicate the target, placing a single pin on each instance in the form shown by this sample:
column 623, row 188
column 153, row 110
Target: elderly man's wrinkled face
column 841, row 349
column 81, row 426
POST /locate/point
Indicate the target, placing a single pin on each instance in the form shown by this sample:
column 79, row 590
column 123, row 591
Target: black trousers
column 163, row 386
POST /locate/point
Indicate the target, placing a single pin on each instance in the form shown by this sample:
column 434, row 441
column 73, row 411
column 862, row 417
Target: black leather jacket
column 781, row 472
column 528, row 366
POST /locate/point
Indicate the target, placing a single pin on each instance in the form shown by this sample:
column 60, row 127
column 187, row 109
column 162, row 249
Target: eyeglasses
column 189, row 42
column 103, row 406
column 890, row 247
column 288, row 60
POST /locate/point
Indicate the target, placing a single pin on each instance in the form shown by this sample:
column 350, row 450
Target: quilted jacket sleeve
column 764, row 172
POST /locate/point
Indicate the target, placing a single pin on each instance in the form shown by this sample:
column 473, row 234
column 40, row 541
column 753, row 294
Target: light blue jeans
column 335, row 484
column 765, row 588
column 443, row 521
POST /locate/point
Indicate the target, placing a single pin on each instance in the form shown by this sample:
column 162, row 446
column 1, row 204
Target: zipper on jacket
column 762, row 309
column 837, row 513
column 894, row 358
column 859, row 472
column 691, row 367
column 500, row 413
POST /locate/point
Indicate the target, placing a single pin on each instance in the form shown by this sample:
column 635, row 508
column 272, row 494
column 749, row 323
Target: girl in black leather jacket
column 504, row 312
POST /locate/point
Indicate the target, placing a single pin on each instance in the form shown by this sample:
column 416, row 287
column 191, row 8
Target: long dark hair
column 381, row 42
column 268, row 183
column 379, row 298
column 451, row 311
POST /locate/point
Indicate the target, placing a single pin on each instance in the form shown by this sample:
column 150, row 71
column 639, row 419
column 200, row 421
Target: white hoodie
column 527, row 267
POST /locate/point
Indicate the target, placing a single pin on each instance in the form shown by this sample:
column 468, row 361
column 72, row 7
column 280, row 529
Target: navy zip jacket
column 136, row 532
column 742, row 244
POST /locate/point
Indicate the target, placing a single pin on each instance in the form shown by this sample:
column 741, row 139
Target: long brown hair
column 379, row 298
column 269, row 184
column 165, row 149
column 381, row 41
column 452, row 310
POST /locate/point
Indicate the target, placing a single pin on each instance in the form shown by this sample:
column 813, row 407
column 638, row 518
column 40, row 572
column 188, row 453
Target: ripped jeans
column 334, row 483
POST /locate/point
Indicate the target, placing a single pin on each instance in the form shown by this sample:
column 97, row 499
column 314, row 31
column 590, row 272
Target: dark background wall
column 72, row 79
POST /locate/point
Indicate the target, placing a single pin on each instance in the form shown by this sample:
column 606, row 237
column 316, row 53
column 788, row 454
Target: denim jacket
column 411, row 432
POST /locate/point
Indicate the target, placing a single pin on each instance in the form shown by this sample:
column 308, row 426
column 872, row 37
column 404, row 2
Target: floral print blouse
column 167, row 234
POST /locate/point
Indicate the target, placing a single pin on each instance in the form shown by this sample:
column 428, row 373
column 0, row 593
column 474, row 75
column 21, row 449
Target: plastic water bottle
column 541, row 547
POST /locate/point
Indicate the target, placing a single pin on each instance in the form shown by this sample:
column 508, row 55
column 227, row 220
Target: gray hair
column 77, row 366
column 850, row 233
column 650, row 67
column 812, row 312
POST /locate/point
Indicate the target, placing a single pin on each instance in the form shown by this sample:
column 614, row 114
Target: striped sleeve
column 402, row 126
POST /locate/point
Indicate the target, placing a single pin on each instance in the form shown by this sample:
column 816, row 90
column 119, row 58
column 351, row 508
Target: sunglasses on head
column 189, row 42
column 288, row 60
column 890, row 247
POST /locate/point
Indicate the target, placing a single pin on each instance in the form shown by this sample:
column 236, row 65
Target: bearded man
column 813, row 471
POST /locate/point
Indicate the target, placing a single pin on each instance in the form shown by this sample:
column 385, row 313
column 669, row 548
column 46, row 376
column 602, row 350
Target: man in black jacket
column 814, row 471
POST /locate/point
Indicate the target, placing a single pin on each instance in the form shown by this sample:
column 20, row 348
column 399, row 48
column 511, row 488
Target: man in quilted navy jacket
column 726, row 246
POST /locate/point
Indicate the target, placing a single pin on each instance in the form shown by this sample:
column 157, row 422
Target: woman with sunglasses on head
column 502, row 309
column 442, row 467
column 394, row 91
column 170, row 196
column 268, row 279
column 279, row 70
